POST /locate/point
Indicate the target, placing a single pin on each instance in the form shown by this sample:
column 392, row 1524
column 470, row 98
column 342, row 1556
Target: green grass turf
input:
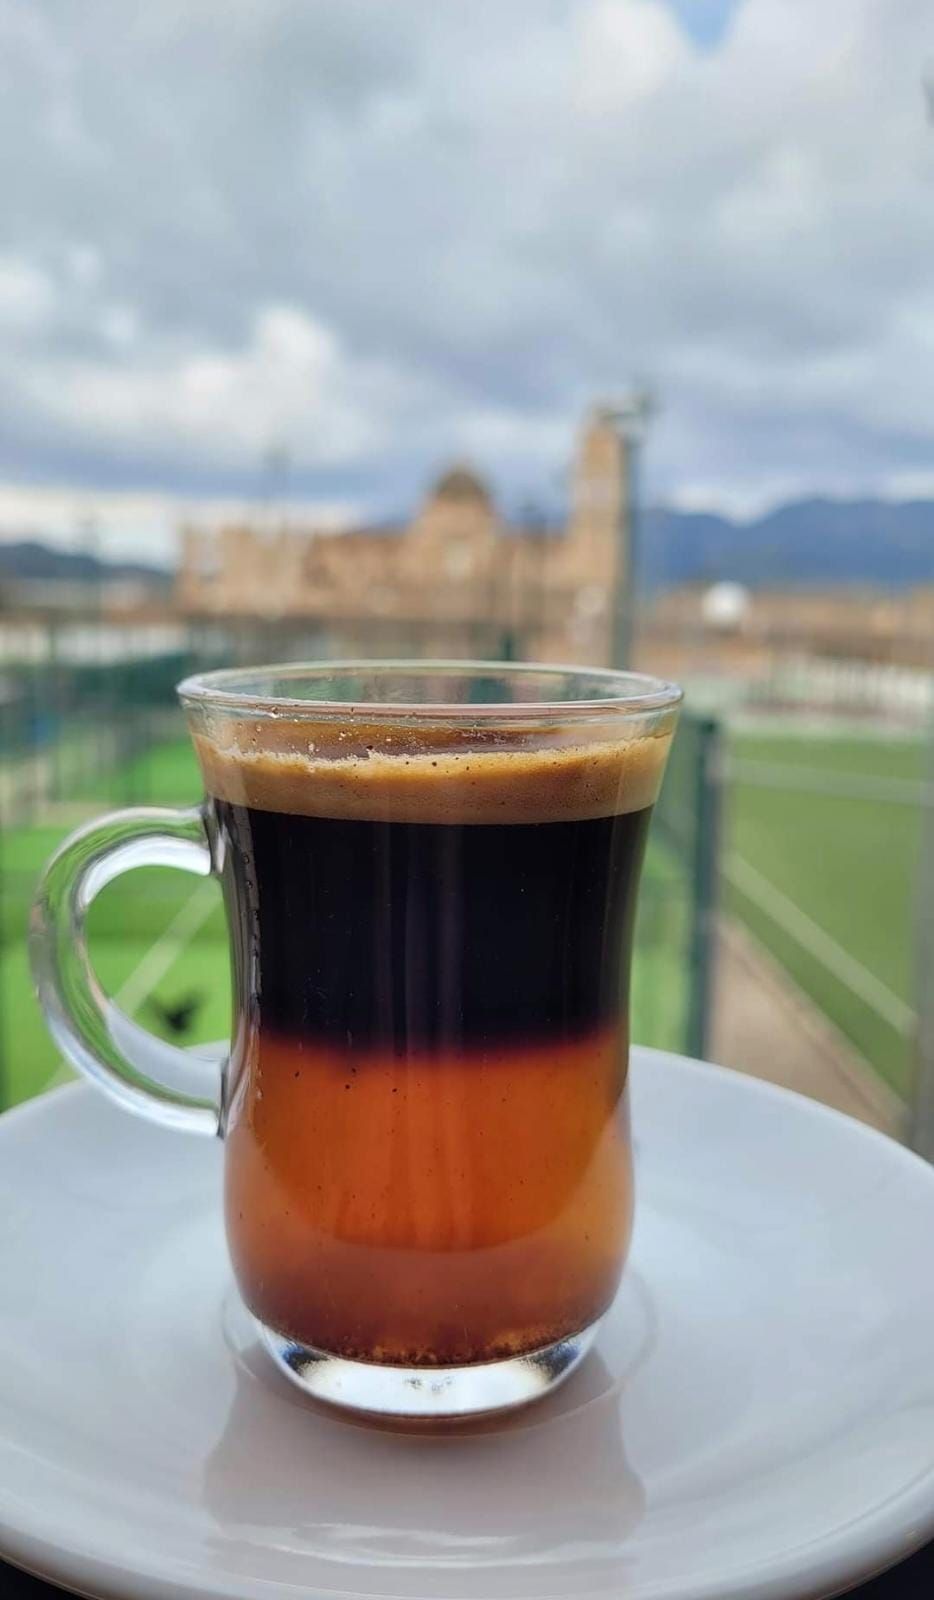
column 124, row 923
column 29, row 1058
column 849, row 863
column 167, row 775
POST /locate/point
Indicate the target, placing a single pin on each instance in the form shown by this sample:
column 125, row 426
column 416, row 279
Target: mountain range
column 804, row 543
column 31, row 560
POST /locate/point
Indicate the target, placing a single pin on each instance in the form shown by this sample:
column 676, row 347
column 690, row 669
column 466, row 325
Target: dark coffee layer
column 419, row 936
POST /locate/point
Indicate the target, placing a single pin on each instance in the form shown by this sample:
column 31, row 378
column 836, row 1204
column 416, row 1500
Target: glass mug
column 430, row 873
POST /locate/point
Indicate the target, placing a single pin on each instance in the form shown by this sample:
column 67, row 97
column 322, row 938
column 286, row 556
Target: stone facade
column 843, row 624
column 456, row 579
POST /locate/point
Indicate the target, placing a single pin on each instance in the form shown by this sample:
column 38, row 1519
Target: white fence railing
column 841, row 687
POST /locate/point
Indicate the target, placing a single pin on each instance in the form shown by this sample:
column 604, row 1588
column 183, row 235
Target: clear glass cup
column 430, row 871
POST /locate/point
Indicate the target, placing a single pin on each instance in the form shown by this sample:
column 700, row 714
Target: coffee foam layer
column 426, row 780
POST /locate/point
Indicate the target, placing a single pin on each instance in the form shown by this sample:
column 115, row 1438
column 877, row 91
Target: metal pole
column 708, row 817
column 631, row 419
column 6, row 1090
column 624, row 607
column 921, row 1112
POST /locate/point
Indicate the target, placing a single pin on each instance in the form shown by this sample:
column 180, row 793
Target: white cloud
column 142, row 527
column 289, row 384
column 26, row 298
column 625, row 53
column 119, row 325
column 84, row 264
column 381, row 235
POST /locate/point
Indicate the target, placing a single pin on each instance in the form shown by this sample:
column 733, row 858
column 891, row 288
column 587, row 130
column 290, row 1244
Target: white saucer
column 757, row 1420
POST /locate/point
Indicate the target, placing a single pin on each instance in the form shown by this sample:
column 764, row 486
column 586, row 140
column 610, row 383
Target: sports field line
column 171, row 942
column 817, row 780
column 818, row 943
column 829, row 727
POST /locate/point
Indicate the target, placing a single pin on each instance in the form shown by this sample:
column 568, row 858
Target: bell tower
column 599, row 494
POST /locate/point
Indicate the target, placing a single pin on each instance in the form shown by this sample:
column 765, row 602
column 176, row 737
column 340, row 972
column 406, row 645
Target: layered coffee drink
column 428, row 1153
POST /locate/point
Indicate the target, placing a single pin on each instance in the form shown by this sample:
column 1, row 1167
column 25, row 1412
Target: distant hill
column 28, row 559
column 804, row 543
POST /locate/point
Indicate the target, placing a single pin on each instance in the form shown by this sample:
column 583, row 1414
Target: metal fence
column 687, row 823
column 921, row 1122
column 821, row 685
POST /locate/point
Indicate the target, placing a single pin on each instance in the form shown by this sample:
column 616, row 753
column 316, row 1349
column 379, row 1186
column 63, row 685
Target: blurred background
column 577, row 330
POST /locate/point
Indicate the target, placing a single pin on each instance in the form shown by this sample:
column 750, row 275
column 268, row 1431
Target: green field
column 131, row 930
column 159, row 944
column 821, row 873
column 831, row 834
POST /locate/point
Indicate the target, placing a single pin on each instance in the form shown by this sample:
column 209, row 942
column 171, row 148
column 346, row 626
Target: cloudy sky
column 369, row 236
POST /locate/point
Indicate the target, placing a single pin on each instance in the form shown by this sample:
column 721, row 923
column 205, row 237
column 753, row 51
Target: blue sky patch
column 705, row 21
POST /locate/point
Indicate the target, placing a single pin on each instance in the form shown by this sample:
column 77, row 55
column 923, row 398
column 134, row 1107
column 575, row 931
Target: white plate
column 757, row 1421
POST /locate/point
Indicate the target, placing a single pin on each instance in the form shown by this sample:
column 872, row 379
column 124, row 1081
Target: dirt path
column 766, row 1026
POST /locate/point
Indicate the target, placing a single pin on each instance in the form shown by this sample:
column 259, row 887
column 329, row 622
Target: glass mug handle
column 139, row 1071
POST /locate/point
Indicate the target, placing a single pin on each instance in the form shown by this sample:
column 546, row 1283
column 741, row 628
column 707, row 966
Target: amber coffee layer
column 428, row 1158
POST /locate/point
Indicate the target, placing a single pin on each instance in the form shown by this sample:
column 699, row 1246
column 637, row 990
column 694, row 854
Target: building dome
column 461, row 484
